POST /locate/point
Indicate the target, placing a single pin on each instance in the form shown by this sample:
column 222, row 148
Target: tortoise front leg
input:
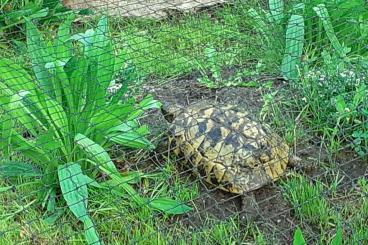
column 249, row 208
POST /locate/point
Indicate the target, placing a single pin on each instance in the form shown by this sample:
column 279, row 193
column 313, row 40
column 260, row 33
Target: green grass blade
column 294, row 47
column 17, row 169
column 75, row 192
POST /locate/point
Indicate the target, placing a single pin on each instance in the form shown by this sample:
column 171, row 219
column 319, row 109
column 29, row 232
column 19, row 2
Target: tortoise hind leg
column 249, row 208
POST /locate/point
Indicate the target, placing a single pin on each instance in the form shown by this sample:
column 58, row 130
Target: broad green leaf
column 147, row 103
column 7, row 125
column 97, row 153
column 20, row 112
column 75, row 192
column 53, row 115
column 322, row 13
column 91, row 234
column 17, row 169
column 169, row 206
column 39, row 55
column 131, row 139
column 15, row 77
column 63, row 45
column 299, row 238
column 76, row 70
column 85, row 38
column 102, row 160
column 294, row 47
column 57, row 116
column 74, row 189
column 105, row 120
column 40, row 14
column 277, row 10
column 61, row 84
column 29, row 149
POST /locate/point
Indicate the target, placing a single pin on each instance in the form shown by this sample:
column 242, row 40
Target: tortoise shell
column 228, row 147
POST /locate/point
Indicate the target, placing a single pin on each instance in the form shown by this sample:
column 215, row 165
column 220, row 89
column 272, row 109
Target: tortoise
column 228, row 148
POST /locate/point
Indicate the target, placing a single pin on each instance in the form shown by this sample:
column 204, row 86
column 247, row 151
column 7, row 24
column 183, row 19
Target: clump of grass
column 308, row 200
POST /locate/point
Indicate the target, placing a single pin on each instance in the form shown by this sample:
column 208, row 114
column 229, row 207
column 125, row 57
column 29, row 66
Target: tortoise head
column 170, row 111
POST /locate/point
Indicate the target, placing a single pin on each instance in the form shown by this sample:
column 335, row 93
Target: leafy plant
column 324, row 19
column 14, row 13
column 70, row 121
column 335, row 95
column 215, row 77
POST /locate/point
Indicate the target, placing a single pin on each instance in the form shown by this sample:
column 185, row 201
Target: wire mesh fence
column 183, row 122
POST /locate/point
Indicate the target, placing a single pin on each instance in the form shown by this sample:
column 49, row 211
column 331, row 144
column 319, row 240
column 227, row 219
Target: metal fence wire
column 184, row 122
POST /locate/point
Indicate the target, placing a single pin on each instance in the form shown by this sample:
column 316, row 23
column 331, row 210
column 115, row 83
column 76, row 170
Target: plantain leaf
column 131, row 139
column 277, row 10
column 102, row 160
column 29, row 149
column 63, row 45
column 7, row 125
column 147, row 103
column 22, row 113
column 322, row 13
column 15, row 77
column 294, row 47
column 17, row 169
column 75, row 192
column 97, row 153
column 38, row 52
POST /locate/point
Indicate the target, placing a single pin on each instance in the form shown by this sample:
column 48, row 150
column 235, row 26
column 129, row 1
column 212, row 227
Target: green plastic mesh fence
column 184, row 122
